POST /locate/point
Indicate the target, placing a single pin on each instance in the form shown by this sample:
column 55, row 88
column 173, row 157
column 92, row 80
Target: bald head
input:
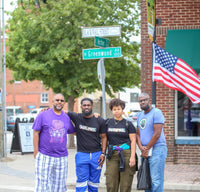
column 146, row 95
column 58, row 95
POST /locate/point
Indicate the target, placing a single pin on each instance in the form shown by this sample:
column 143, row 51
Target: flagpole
column 153, row 84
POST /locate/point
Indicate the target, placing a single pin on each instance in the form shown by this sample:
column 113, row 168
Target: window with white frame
column 44, row 98
column 17, row 82
column 134, row 97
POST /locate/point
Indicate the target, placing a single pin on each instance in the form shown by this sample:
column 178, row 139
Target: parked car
column 12, row 113
column 29, row 117
column 133, row 117
column 33, row 114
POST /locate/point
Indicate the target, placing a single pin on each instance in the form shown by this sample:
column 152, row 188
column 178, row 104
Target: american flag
column 175, row 74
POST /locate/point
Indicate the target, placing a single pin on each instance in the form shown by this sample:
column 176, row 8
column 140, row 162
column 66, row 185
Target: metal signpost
column 101, row 70
column 101, row 53
column 101, row 77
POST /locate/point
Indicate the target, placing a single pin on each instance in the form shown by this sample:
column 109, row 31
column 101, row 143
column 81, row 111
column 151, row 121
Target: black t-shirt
column 88, row 132
column 118, row 131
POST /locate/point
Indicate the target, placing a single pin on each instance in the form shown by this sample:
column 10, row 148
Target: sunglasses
column 61, row 100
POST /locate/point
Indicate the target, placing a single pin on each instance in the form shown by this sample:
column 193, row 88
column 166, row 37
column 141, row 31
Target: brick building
column 29, row 95
column 179, row 34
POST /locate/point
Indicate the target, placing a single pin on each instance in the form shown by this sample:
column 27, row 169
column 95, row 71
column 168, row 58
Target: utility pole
column 1, row 83
column 4, row 86
column 3, row 126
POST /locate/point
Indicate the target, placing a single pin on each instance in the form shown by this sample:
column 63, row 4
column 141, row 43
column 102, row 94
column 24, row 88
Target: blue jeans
column 157, row 167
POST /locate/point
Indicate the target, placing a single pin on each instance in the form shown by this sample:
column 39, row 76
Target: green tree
column 46, row 45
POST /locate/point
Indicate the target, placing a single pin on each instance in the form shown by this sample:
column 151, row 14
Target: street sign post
column 101, row 77
column 101, row 70
column 103, row 31
column 110, row 52
column 101, row 42
column 104, row 52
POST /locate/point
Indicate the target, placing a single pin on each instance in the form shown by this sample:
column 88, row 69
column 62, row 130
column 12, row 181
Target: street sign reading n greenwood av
column 110, row 52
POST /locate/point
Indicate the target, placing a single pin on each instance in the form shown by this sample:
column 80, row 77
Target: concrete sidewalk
column 17, row 174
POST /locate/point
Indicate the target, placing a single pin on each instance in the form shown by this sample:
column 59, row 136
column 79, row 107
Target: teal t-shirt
column 145, row 123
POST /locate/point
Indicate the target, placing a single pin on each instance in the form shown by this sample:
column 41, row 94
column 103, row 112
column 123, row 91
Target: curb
column 71, row 187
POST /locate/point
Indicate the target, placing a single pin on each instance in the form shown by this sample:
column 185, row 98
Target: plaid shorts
column 50, row 173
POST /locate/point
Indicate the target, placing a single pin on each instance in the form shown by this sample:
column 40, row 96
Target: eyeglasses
column 140, row 101
column 61, row 100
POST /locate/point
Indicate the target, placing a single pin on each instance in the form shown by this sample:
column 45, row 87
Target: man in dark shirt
column 91, row 147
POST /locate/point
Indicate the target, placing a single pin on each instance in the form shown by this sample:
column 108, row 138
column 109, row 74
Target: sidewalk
column 17, row 174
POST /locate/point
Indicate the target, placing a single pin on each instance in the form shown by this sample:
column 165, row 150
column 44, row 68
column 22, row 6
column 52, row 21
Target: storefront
column 179, row 34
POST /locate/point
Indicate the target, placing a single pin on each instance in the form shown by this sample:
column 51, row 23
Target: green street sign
column 110, row 52
column 101, row 42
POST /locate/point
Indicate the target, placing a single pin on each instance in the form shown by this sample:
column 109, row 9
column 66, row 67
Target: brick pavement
column 18, row 172
column 182, row 173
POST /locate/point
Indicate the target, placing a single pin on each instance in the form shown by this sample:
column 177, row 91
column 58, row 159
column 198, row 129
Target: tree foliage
column 46, row 44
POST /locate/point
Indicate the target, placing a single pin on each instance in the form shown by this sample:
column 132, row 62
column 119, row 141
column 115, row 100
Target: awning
column 185, row 44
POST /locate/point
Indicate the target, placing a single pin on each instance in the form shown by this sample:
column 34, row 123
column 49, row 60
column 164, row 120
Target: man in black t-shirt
column 91, row 147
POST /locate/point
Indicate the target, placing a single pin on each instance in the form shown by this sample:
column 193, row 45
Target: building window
column 17, row 82
column 188, row 117
column 134, row 97
column 44, row 98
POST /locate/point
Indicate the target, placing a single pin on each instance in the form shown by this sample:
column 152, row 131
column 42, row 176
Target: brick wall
column 28, row 93
column 179, row 14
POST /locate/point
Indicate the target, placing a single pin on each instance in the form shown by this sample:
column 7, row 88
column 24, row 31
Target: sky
column 8, row 7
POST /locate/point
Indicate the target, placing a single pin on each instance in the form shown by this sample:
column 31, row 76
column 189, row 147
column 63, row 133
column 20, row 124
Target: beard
column 57, row 108
column 87, row 113
column 145, row 108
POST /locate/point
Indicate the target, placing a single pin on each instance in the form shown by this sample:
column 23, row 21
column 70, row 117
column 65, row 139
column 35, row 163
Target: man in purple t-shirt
column 50, row 131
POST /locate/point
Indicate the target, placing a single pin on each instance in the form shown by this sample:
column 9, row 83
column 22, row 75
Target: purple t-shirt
column 53, row 132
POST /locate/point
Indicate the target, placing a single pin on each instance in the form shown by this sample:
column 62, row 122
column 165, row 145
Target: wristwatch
column 103, row 154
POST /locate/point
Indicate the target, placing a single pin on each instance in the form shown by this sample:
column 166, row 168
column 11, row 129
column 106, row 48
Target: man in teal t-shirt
column 151, row 141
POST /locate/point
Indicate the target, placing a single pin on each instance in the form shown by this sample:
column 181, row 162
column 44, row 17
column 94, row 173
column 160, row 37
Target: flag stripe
column 193, row 85
column 193, row 78
column 162, row 74
column 175, row 73
column 187, row 67
column 175, row 83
